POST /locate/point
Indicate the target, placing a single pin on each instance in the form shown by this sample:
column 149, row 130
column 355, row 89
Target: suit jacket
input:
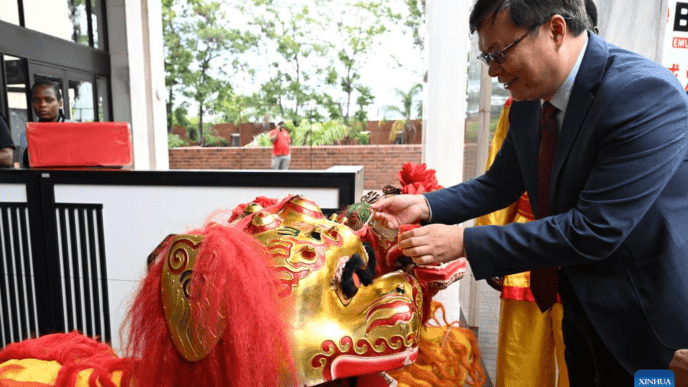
column 618, row 203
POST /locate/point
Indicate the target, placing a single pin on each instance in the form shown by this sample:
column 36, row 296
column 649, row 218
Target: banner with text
column 675, row 53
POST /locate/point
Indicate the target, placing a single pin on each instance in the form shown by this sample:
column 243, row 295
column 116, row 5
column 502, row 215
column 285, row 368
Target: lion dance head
column 279, row 295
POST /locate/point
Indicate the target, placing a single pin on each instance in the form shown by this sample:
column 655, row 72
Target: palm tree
column 403, row 130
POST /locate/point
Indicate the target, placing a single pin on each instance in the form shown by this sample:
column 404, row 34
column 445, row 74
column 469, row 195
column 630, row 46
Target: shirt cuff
column 427, row 203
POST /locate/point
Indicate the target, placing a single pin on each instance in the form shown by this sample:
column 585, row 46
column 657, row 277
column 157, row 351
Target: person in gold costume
column 529, row 340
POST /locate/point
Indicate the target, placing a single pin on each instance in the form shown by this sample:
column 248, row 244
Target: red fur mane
column 255, row 347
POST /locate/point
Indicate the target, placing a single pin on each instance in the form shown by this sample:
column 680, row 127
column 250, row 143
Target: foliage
column 403, row 129
column 416, row 22
column 360, row 30
column 357, row 132
column 312, row 59
column 471, row 134
column 309, row 134
column 192, row 128
column 239, row 109
column 177, row 55
column 193, row 134
column 304, row 60
column 365, row 98
column 198, row 31
column 174, row 141
column 179, row 117
column 290, row 40
column 211, row 139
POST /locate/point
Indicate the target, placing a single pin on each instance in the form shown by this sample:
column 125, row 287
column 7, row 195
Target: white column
column 445, row 109
column 155, row 85
column 138, row 85
column 635, row 25
column 445, row 115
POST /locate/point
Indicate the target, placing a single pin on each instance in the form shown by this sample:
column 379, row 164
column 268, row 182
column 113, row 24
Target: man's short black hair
column 591, row 11
column 531, row 13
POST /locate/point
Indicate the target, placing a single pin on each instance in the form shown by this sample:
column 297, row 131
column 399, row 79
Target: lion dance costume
column 277, row 295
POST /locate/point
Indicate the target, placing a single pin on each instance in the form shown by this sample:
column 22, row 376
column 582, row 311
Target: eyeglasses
column 498, row 56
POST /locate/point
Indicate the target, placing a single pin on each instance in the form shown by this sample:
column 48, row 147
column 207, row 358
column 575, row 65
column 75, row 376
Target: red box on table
column 79, row 144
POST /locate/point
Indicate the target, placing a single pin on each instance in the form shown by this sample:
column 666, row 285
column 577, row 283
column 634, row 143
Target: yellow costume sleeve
column 515, row 286
column 528, row 339
column 29, row 373
column 42, row 373
column 506, row 215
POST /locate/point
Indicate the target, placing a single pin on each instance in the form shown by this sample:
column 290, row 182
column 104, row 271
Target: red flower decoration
column 416, row 179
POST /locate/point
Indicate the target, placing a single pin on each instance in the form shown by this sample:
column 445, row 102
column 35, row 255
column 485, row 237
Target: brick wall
column 381, row 162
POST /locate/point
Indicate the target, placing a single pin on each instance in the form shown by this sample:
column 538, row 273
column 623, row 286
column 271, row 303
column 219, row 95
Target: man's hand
column 394, row 211
column 435, row 243
column 679, row 365
column 273, row 136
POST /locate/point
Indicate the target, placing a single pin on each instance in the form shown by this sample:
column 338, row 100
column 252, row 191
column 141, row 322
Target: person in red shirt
column 280, row 147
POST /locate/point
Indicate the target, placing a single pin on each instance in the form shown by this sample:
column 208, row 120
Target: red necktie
column 544, row 283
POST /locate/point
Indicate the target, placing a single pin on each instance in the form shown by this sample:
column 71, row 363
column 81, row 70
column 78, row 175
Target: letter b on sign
column 681, row 17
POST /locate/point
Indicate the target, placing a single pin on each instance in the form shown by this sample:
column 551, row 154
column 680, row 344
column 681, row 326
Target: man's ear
column 558, row 29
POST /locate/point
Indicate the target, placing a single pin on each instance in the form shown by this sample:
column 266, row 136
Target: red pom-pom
column 416, row 179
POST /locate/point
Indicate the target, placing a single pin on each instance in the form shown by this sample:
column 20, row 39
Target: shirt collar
column 560, row 100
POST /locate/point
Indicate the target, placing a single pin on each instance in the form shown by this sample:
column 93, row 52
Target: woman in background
column 46, row 99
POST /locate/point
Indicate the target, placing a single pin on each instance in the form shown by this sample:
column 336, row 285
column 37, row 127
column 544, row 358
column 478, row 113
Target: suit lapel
column 580, row 101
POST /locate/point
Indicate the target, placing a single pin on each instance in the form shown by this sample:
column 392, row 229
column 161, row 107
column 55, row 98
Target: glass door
column 84, row 99
column 17, row 79
column 81, row 94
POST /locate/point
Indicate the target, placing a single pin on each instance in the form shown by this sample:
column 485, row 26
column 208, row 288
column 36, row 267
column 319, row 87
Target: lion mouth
column 391, row 309
column 346, row 366
column 441, row 275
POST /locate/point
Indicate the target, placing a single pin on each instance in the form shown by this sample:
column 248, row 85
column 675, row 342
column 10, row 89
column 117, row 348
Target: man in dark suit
column 606, row 170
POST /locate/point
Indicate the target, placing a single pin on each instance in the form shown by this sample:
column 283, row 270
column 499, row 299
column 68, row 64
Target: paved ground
column 488, row 329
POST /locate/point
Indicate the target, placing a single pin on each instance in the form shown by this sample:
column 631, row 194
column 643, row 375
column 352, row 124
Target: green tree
column 180, row 118
column 177, row 55
column 365, row 98
column 217, row 48
column 76, row 9
column 403, row 129
column 247, row 108
column 415, row 22
column 359, row 30
column 282, row 48
column 292, row 42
